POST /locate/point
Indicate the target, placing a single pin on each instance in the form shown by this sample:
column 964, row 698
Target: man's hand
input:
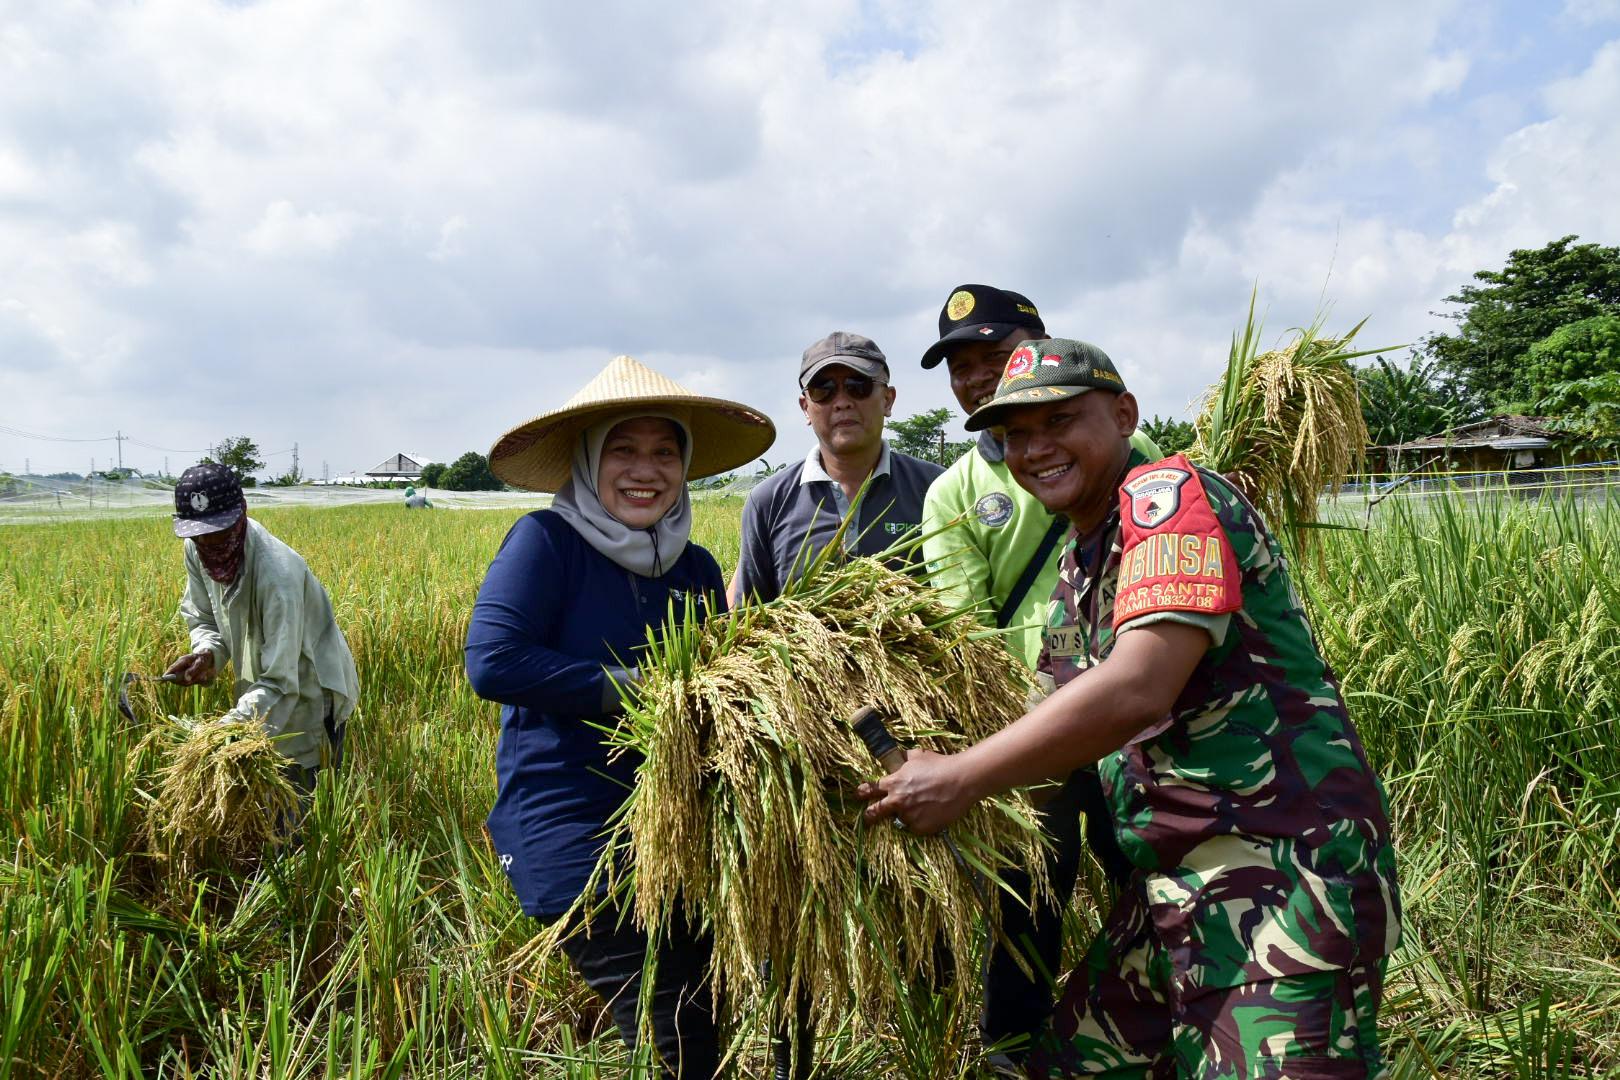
column 927, row 793
column 193, row 668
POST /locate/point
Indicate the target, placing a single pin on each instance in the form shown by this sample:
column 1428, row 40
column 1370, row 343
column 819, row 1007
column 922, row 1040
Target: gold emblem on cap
column 958, row 306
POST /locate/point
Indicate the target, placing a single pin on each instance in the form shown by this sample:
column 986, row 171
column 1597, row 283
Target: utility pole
column 120, row 436
column 295, row 461
column 165, row 466
column 324, row 477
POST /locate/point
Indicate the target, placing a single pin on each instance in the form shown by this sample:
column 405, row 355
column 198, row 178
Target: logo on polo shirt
column 994, row 509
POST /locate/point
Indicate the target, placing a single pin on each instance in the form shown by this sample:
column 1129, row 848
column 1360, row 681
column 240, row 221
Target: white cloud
column 1551, row 177
column 411, row 225
column 1592, row 12
column 287, row 231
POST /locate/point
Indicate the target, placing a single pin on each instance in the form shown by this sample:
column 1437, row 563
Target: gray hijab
column 649, row 552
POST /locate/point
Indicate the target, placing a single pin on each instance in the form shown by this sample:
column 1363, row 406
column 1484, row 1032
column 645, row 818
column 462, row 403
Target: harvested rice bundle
column 745, row 808
column 1284, row 425
column 222, row 794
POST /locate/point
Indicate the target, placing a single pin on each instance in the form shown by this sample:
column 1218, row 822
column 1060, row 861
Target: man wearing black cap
column 1004, row 560
column 845, row 394
column 252, row 600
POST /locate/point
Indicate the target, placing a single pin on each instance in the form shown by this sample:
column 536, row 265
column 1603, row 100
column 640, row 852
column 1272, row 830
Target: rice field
column 1479, row 645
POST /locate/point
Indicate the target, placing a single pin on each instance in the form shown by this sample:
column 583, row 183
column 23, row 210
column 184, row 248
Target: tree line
column 1540, row 337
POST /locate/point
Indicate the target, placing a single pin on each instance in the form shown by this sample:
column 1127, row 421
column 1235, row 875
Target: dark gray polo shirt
column 804, row 502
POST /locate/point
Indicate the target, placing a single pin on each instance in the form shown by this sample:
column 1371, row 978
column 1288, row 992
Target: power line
column 7, row 429
column 168, row 449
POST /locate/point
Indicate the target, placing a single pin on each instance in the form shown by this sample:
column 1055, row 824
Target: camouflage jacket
column 1259, row 831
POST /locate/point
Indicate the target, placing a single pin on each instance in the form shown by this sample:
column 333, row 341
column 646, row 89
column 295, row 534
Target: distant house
column 405, row 468
column 1500, row 444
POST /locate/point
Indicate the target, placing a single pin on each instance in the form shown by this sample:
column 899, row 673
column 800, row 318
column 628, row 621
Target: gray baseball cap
column 851, row 350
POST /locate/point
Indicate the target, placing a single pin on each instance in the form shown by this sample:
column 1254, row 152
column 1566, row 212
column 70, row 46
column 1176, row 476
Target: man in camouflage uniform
column 1252, row 937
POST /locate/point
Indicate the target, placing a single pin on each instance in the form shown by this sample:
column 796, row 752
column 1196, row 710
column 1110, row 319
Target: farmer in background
column 415, row 501
column 562, row 614
column 791, row 517
column 1252, row 936
column 1003, row 559
column 251, row 600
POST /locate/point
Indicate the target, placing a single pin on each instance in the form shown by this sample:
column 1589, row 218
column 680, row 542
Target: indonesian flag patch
column 1174, row 554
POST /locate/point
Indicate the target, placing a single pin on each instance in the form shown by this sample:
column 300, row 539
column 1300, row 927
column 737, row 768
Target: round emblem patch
column 199, row 501
column 995, row 509
column 1020, row 365
column 958, row 306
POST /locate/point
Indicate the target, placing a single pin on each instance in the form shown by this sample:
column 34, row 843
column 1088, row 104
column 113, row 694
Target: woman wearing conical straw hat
column 565, row 607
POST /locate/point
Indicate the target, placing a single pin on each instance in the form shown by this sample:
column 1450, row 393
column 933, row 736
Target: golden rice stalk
column 221, row 795
column 745, row 808
column 1284, row 426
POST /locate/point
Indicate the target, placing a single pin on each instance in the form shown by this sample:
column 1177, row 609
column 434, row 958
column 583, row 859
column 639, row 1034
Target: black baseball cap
column 207, row 499
column 1043, row 371
column 982, row 313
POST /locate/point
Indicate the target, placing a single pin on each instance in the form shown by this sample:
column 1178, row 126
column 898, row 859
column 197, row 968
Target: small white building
column 402, row 468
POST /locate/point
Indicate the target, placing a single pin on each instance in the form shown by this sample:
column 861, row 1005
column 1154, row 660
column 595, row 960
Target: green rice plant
column 1477, row 639
column 1473, row 635
column 744, row 811
column 1284, row 425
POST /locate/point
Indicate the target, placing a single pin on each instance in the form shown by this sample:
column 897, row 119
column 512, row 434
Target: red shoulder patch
column 1174, row 554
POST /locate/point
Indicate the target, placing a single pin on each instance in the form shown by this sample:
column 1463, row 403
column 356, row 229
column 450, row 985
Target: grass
column 1477, row 643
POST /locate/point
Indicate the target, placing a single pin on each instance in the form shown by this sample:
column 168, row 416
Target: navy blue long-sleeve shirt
column 553, row 614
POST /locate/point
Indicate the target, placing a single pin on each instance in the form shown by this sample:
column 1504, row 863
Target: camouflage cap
column 1045, row 370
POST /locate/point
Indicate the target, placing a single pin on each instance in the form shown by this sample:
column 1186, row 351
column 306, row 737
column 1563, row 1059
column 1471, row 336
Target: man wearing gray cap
column 793, row 515
column 845, row 394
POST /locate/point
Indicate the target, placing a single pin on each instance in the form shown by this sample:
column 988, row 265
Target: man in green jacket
column 1003, row 559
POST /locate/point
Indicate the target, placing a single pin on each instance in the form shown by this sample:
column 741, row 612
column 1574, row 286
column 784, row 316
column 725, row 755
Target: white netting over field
column 32, row 498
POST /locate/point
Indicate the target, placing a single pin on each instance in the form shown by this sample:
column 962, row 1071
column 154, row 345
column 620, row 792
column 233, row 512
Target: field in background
column 1479, row 643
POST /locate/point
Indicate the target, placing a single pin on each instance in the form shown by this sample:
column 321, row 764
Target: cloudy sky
column 367, row 227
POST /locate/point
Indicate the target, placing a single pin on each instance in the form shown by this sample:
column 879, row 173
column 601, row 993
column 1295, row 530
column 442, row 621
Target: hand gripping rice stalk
column 221, row 795
column 1285, row 425
column 745, row 812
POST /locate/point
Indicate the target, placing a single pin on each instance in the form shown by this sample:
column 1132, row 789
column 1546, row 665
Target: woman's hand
column 927, row 793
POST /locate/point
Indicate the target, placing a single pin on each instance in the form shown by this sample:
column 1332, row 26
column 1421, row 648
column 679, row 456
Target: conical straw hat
column 539, row 455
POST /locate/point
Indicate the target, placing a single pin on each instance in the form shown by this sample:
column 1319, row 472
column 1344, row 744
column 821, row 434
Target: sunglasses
column 822, row 390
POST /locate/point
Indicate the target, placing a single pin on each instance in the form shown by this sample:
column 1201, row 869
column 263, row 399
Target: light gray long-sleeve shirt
column 275, row 623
